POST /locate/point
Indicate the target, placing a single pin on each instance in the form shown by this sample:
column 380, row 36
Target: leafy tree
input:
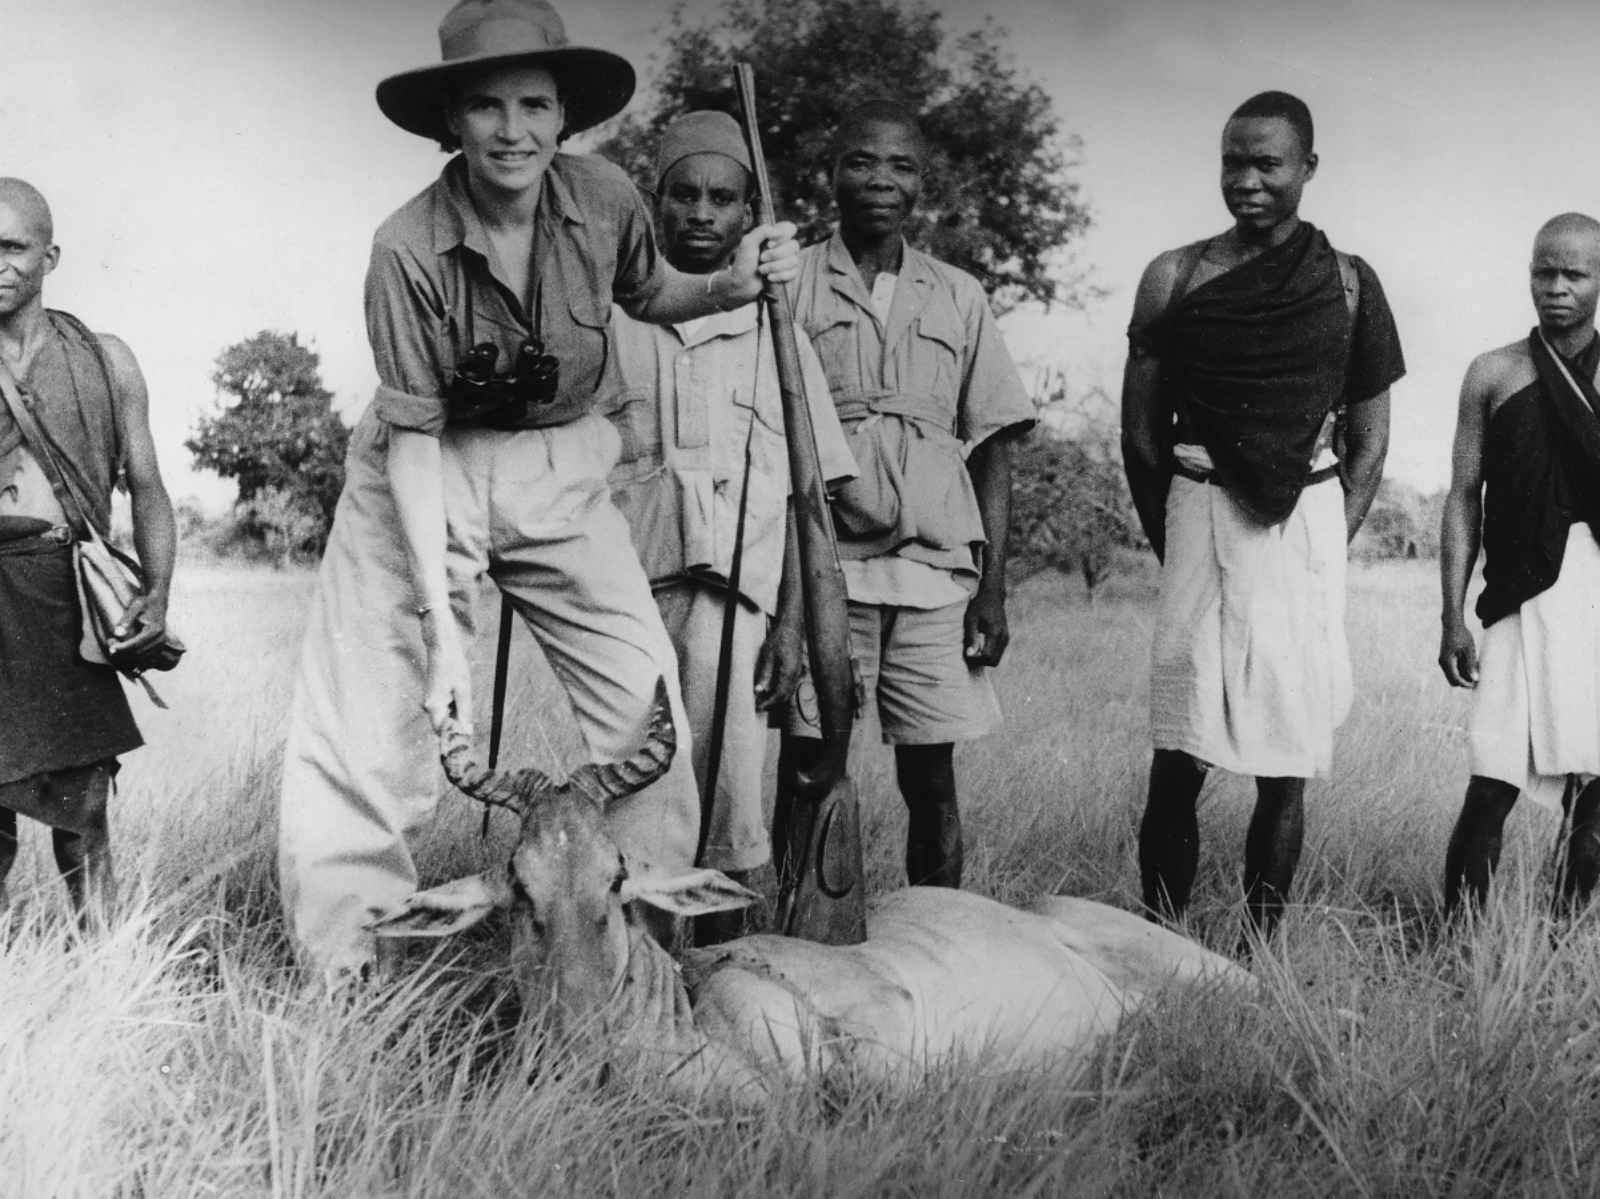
column 274, row 431
column 997, row 200
column 1070, row 506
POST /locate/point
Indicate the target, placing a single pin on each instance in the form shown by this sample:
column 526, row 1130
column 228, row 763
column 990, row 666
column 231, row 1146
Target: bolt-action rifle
column 820, row 895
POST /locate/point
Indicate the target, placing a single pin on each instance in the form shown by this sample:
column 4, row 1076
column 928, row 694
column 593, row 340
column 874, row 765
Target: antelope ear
column 694, row 893
column 444, row 910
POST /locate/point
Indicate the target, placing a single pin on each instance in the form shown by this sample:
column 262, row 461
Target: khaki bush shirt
column 695, row 396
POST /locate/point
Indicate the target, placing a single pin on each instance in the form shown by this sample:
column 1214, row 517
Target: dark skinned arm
column 1145, row 418
column 781, row 661
column 1366, row 445
column 1461, row 530
column 989, row 464
column 155, row 533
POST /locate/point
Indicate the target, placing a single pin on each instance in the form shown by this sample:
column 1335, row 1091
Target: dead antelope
column 943, row 974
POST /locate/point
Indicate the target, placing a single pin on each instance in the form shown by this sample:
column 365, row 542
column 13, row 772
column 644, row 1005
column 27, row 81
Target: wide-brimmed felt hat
column 595, row 84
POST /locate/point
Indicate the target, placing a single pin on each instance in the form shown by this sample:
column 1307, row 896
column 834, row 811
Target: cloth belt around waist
column 22, row 537
column 921, row 410
column 1321, row 475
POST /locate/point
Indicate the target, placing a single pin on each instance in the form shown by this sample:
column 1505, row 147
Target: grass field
column 180, row 1055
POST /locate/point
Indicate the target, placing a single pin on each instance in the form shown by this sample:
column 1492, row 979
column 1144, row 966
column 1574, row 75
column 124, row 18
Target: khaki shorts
column 911, row 660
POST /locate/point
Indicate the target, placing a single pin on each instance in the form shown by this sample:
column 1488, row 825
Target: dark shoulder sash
column 1575, row 399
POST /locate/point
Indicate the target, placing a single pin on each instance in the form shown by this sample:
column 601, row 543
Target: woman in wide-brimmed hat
column 488, row 308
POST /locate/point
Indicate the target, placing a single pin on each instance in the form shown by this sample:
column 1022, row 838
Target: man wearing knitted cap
column 484, row 453
column 702, row 439
column 1255, row 420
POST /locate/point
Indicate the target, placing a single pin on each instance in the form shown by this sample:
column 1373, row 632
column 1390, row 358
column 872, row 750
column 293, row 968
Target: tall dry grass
column 180, row 1054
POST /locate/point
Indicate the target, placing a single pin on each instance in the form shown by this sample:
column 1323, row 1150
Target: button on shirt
column 433, row 290
column 692, row 392
column 916, row 388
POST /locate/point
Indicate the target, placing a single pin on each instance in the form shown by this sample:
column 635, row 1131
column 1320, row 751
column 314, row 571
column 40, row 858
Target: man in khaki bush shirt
column 931, row 400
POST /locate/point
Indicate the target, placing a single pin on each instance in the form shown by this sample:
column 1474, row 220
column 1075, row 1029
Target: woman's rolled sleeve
column 640, row 272
column 404, row 326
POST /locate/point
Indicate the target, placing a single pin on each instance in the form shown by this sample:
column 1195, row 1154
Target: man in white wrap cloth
column 1255, row 425
column 1526, row 481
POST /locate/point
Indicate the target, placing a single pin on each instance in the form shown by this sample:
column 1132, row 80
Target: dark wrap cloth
column 1254, row 360
column 1541, row 474
column 56, row 710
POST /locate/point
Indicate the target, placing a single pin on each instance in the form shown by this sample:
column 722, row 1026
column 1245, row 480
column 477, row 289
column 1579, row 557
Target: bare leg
column 791, row 751
column 1582, row 866
column 927, row 778
column 84, row 856
column 1169, row 834
column 1272, row 849
column 8, row 852
column 1474, row 850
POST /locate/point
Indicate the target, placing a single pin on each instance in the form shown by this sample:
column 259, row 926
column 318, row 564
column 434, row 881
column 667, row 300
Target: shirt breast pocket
column 762, row 420
column 935, row 367
column 835, row 344
column 586, row 359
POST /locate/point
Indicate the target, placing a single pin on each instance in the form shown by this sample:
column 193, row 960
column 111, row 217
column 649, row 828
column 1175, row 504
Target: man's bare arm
column 1366, row 445
column 782, row 660
column 155, row 533
column 1461, row 531
column 1144, row 416
column 987, row 630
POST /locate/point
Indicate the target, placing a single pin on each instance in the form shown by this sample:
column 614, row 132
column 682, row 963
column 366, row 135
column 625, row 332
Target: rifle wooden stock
column 820, row 874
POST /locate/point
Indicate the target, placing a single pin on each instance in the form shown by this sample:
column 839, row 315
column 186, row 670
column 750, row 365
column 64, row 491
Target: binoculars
column 478, row 396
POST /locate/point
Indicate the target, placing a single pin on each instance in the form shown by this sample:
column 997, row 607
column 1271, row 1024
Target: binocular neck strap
column 469, row 322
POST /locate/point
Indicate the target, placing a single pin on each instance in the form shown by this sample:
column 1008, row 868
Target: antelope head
column 566, row 883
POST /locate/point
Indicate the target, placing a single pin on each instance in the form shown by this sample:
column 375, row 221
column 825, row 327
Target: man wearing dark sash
column 1526, row 479
column 1255, row 424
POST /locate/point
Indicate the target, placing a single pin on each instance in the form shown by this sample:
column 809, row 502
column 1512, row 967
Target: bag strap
column 39, row 443
column 92, row 340
column 730, row 615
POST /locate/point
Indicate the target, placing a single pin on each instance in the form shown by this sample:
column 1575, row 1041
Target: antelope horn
column 618, row 779
column 515, row 789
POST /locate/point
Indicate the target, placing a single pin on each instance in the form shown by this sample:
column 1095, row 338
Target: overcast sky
column 217, row 166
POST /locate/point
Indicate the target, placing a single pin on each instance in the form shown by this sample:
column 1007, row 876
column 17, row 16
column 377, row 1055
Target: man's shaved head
column 1573, row 225
column 26, row 201
column 878, row 112
column 1565, row 277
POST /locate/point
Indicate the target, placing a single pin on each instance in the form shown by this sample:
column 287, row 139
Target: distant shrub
column 286, row 524
column 1070, row 506
column 1402, row 524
